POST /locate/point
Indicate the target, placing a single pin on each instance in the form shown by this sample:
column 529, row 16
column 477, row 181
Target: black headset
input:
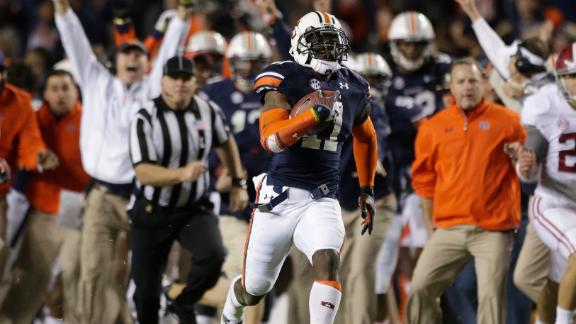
column 523, row 64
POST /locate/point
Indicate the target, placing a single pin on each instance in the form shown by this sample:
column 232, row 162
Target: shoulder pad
column 272, row 76
column 356, row 78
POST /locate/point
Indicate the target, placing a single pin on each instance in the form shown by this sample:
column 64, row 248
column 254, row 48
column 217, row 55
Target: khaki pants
column 4, row 250
column 444, row 255
column 358, row 262
column 234, row 230
column 70, row 266
column 102, row 295
column 234, row 233
column 33, row 268
column 532, row 266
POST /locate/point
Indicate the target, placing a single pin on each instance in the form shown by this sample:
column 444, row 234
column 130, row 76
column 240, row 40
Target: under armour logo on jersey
column 327, row 304
column 344, row 85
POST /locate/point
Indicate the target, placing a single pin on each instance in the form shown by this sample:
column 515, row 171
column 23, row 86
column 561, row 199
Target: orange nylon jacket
column 20, row 139
column 461, row 165
column 62, row 136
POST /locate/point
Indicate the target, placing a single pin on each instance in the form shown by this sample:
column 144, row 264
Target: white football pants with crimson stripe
column 554, row 220
column 309, row 224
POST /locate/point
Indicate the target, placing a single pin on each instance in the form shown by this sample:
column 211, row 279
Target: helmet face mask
column 319, row 42
column 326, row 43
column 567, row 85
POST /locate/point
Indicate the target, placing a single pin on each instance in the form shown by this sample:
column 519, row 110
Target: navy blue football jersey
column 349, row 186
column 242, row 112
column 314, row 159
column 411, row 97
column 415, row 95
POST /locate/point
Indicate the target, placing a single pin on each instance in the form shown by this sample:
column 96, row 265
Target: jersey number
column 564, row 154
column 425, row 99
column 239, row 120
column 330, row 143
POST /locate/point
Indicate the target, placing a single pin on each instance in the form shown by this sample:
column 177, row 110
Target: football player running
column 549, row 157
column 295, row 199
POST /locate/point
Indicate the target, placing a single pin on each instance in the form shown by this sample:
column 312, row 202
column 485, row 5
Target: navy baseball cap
column 178, row 65
column 132, row 44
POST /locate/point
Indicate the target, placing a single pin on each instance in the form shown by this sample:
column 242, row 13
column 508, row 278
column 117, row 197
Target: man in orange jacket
column 59, row 121
column 470, row 194
column 21, row 145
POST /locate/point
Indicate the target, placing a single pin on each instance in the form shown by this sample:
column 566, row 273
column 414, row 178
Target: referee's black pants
column 151, row 240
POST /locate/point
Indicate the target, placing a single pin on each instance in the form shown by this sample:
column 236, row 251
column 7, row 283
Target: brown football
column 324, row 97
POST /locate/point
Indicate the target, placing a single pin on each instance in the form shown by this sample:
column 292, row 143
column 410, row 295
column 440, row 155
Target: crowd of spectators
column 28, row 33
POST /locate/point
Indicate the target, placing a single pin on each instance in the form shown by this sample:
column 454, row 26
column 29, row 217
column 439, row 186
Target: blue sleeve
column 382, row 127
column 282, row 33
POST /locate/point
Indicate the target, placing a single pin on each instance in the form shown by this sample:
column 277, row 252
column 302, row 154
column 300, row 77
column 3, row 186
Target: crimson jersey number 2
column 565, row 154
column 330, row 143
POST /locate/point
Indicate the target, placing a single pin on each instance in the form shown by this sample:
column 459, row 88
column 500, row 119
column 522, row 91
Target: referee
column 170, row 141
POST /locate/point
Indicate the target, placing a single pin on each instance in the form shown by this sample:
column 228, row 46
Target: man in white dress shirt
column 110, row 102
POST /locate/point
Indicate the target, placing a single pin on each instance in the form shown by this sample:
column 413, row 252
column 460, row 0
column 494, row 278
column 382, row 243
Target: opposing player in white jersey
column 549, row 155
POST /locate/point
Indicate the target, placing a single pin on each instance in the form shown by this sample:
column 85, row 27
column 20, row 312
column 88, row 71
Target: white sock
column 324, row 301
column 233, row 310
column 564, row 316
column 204, row 319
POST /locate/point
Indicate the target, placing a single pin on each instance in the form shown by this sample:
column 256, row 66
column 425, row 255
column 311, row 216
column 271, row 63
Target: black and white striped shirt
column 173, row 139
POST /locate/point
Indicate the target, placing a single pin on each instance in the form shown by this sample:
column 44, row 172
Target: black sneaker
column 186, row 314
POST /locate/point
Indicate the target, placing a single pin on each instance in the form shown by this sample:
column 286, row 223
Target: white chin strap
column 324, row 67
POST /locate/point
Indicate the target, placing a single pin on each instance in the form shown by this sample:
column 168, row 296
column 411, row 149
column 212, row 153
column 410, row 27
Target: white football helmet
column 319, row 42
column 249, row 45
column 411, row 26
column 248, row 52
column 206, row 42
column 566, row 66
column 372, row 64
column 374, row 68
